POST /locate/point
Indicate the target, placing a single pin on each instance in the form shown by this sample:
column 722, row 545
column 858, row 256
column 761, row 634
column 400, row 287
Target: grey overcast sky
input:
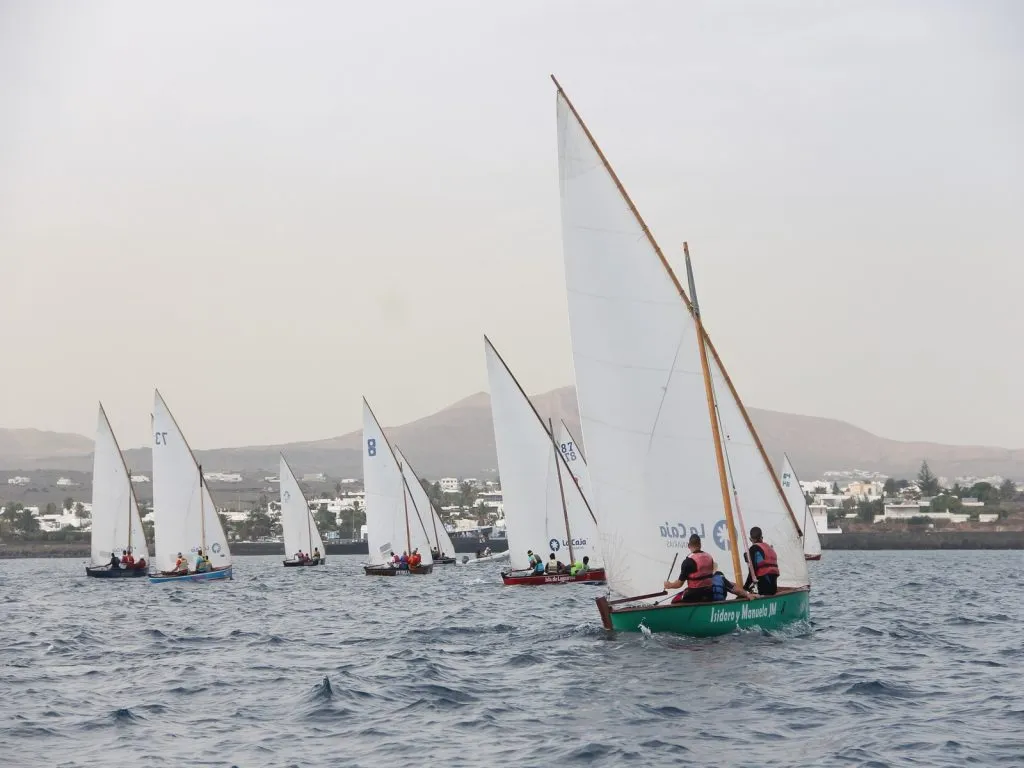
column 269, row 209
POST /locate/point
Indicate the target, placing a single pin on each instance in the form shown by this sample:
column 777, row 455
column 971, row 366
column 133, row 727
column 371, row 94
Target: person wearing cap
column 181, row 564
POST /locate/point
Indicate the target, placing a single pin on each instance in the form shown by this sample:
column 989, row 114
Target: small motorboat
column 489, row 558
column 528, row 578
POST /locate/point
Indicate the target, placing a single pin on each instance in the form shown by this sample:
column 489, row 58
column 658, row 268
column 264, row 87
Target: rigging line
column 664, row 392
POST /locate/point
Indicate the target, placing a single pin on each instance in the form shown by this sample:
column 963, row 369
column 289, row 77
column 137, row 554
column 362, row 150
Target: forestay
column 116, row 523
column 387, row 499
column 576, row 462
column 529, row 481
column 643, row 406
column 297, row 521
column 798, row 503
column 434, row 527
column 182, row 504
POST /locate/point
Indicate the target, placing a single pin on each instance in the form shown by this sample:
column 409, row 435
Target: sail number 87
column 160, row 438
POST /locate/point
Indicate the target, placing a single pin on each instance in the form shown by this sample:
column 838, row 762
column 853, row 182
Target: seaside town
column 842, row 500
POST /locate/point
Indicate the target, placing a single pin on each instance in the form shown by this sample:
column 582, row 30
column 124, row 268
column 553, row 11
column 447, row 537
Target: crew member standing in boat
column 765, row 564
column 696, row 573
column 114, row 562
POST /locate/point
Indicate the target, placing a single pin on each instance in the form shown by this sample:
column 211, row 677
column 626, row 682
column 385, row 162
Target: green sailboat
column 671, row 450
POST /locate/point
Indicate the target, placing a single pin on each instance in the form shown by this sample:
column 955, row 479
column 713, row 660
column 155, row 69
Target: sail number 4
column 160, row 438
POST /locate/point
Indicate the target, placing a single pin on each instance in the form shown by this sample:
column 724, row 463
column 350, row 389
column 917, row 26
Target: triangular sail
column 297, row 521
column 116, row 523
column 184, row 510
column 435, row 528
column 798, row 503
column 391, row 515
column 529, row 465
column 643, row 405
column 576, row 461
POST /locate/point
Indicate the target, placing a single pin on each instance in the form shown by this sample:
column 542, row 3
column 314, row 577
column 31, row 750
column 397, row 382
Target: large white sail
column 186, row 517
column 529, row 468
column 798, row 503
column 576, row 461
column 297, row 521
column 391, row 515
column 643, row 406
column 435, row 528
column 116, row 524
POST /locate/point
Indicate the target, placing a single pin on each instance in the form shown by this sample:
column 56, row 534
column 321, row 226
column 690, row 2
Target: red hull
column 595, row 576
column 812, row 557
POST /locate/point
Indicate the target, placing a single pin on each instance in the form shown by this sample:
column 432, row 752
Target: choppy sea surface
column 910, row 659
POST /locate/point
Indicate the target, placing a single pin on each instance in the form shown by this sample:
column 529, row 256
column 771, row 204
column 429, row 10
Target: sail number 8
column 160, row 438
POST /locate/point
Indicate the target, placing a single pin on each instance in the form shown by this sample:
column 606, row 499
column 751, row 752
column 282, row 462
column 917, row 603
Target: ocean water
column 910, row 659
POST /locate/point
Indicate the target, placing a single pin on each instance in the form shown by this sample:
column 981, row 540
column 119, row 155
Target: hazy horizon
column 268, row 211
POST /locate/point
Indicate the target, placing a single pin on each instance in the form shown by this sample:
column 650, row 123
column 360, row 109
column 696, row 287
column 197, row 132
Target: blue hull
column 222, row 573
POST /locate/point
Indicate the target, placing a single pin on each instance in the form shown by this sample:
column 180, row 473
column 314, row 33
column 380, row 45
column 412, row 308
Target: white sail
column 116, row 524
column 798, row 503
column 297, row 521
column 529, row 468
column 643, row 406
column 393, row 522
column 435, row 528
column 186, row 518
column 575, row 460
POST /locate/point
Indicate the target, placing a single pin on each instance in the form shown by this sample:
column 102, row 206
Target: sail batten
column 641, row 389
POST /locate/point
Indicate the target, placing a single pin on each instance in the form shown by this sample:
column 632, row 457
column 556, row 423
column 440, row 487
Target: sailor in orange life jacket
column 697, row 570
column 765, row 562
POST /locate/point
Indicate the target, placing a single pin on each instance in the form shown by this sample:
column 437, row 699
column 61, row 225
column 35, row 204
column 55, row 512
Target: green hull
column 709, row 619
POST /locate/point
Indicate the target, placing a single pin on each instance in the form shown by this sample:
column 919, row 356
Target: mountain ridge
column 458, row 440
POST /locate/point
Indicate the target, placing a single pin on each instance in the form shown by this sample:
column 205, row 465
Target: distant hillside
column 20, row 445
column 459, row 441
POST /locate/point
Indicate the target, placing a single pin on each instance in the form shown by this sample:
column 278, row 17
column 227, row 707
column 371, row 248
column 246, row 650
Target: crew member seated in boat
column 765, row 564
column 415, row 559
column 553, row 565
column 126, row 559
column 536, row 563
column 316, row 553
column 403, row 562
column 435, row 553
column 395, row 560
column 721, row 587
column 487, row 551
column 114, row 562
column 181, row 564
column 202, row 562
column 578, row 569
column 140, row 564
column 696, row 573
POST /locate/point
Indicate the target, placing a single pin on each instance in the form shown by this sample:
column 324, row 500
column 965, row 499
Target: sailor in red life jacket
column 696, row 572
column 765, row 565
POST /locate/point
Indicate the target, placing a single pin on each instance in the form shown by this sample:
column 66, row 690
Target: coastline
column 924, row 540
